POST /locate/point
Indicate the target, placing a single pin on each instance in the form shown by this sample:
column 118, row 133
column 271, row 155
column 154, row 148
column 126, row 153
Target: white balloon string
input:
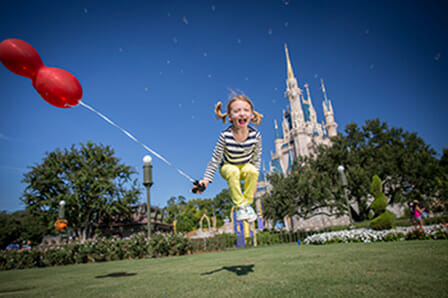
column 137, row 141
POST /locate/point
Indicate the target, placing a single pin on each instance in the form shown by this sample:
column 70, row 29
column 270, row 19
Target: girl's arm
column 256, row 159
column 214, row 162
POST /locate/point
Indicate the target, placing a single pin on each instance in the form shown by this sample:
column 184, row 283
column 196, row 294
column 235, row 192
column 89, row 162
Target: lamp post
column 344, row 184
column 147, row 182
column 61, row 216
column 61, row 209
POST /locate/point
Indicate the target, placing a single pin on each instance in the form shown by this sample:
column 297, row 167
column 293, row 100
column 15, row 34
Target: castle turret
column 312, row 112
column 331, row 126
column 290, row 161
column 278, row 134
column 278, row 140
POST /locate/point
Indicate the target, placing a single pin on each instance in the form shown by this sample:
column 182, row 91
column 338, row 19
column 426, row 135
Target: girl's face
column 241, row 113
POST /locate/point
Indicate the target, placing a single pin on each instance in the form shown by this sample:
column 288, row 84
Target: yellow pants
column 234, row 174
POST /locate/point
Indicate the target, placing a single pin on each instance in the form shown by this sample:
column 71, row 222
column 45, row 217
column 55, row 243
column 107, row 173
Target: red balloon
column 20, row 57
column 58, row 87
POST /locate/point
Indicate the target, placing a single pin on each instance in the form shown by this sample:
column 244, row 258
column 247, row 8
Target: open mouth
column 242, row 121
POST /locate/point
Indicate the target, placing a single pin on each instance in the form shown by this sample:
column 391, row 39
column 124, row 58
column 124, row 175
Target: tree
column 188, row 214
column 406, row 164
column 20, row 226
column 9, row 230
column 279, row 202
column 439, row 202
column 222, row 205
column 95, row 185
column 306, row 191
column 174, row 208
column 185, row 213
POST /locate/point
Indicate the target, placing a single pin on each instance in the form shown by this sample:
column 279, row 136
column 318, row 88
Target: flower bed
column 438, row 231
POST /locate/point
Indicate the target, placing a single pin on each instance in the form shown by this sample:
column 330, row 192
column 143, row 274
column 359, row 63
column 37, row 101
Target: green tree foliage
column 279, row 202
column 19, row 226
column 174, row 208
column 222, row 205
column 188, row 214
column 405, row 162
column 95, row 185
column 9, row 230
column 439, row 203
column 408, row 167
column 306, row 191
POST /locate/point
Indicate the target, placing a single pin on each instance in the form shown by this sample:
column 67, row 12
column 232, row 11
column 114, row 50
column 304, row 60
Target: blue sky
column 157, row 68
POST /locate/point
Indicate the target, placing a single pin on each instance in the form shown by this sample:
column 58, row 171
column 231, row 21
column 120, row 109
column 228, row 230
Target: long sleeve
column 256, row 160
column 216, row 160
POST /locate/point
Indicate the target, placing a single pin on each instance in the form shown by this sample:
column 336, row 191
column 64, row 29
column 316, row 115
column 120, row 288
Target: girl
column 238, row 154
column 418, row 212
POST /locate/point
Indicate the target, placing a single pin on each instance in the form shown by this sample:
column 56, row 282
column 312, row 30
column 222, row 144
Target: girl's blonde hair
column 223, row 116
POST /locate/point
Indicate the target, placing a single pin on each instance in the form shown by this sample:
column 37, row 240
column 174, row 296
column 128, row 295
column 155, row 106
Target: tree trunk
column 85, row 232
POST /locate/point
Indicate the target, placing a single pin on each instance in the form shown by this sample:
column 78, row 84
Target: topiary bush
column 384, row 221
column 380, row 203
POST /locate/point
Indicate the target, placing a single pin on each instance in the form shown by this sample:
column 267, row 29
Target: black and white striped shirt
column 230, row 151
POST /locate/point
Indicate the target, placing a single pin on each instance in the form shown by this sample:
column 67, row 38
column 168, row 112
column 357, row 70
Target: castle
column 299, row 135
column 300, row 132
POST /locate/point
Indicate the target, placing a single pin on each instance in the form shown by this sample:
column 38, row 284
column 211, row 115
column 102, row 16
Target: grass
column 386, row 269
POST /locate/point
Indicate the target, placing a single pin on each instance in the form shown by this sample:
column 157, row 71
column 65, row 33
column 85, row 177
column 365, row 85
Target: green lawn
column 394, row 269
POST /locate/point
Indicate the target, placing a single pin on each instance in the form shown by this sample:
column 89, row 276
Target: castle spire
column 327, row 103
column 331, row 125
column 277, row 131
column 288, row 63
column 308, row 96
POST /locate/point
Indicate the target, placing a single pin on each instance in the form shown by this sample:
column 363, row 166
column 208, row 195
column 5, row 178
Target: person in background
column 418, row 212
column 27, row 245
column 13, row 246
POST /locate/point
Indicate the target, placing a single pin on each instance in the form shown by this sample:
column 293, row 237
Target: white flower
column 368, row 235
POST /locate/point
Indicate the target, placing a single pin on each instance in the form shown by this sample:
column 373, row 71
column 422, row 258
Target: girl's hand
column 204, row 183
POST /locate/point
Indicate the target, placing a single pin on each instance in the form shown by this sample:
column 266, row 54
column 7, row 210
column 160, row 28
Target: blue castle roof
column 276, row 166
column 306, row 111
column 290, row 160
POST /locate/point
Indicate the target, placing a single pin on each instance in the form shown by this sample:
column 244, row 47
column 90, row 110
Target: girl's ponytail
column 219, row 113
column 257, row 118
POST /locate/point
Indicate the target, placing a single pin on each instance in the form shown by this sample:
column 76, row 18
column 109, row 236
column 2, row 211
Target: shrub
column 380, row 203
column 417, row 233
column 229, row 239
column 383, row 222
column 159, row 245
column 384, row 219
column 179, row 245
column 95, row 250
column 217, row 243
